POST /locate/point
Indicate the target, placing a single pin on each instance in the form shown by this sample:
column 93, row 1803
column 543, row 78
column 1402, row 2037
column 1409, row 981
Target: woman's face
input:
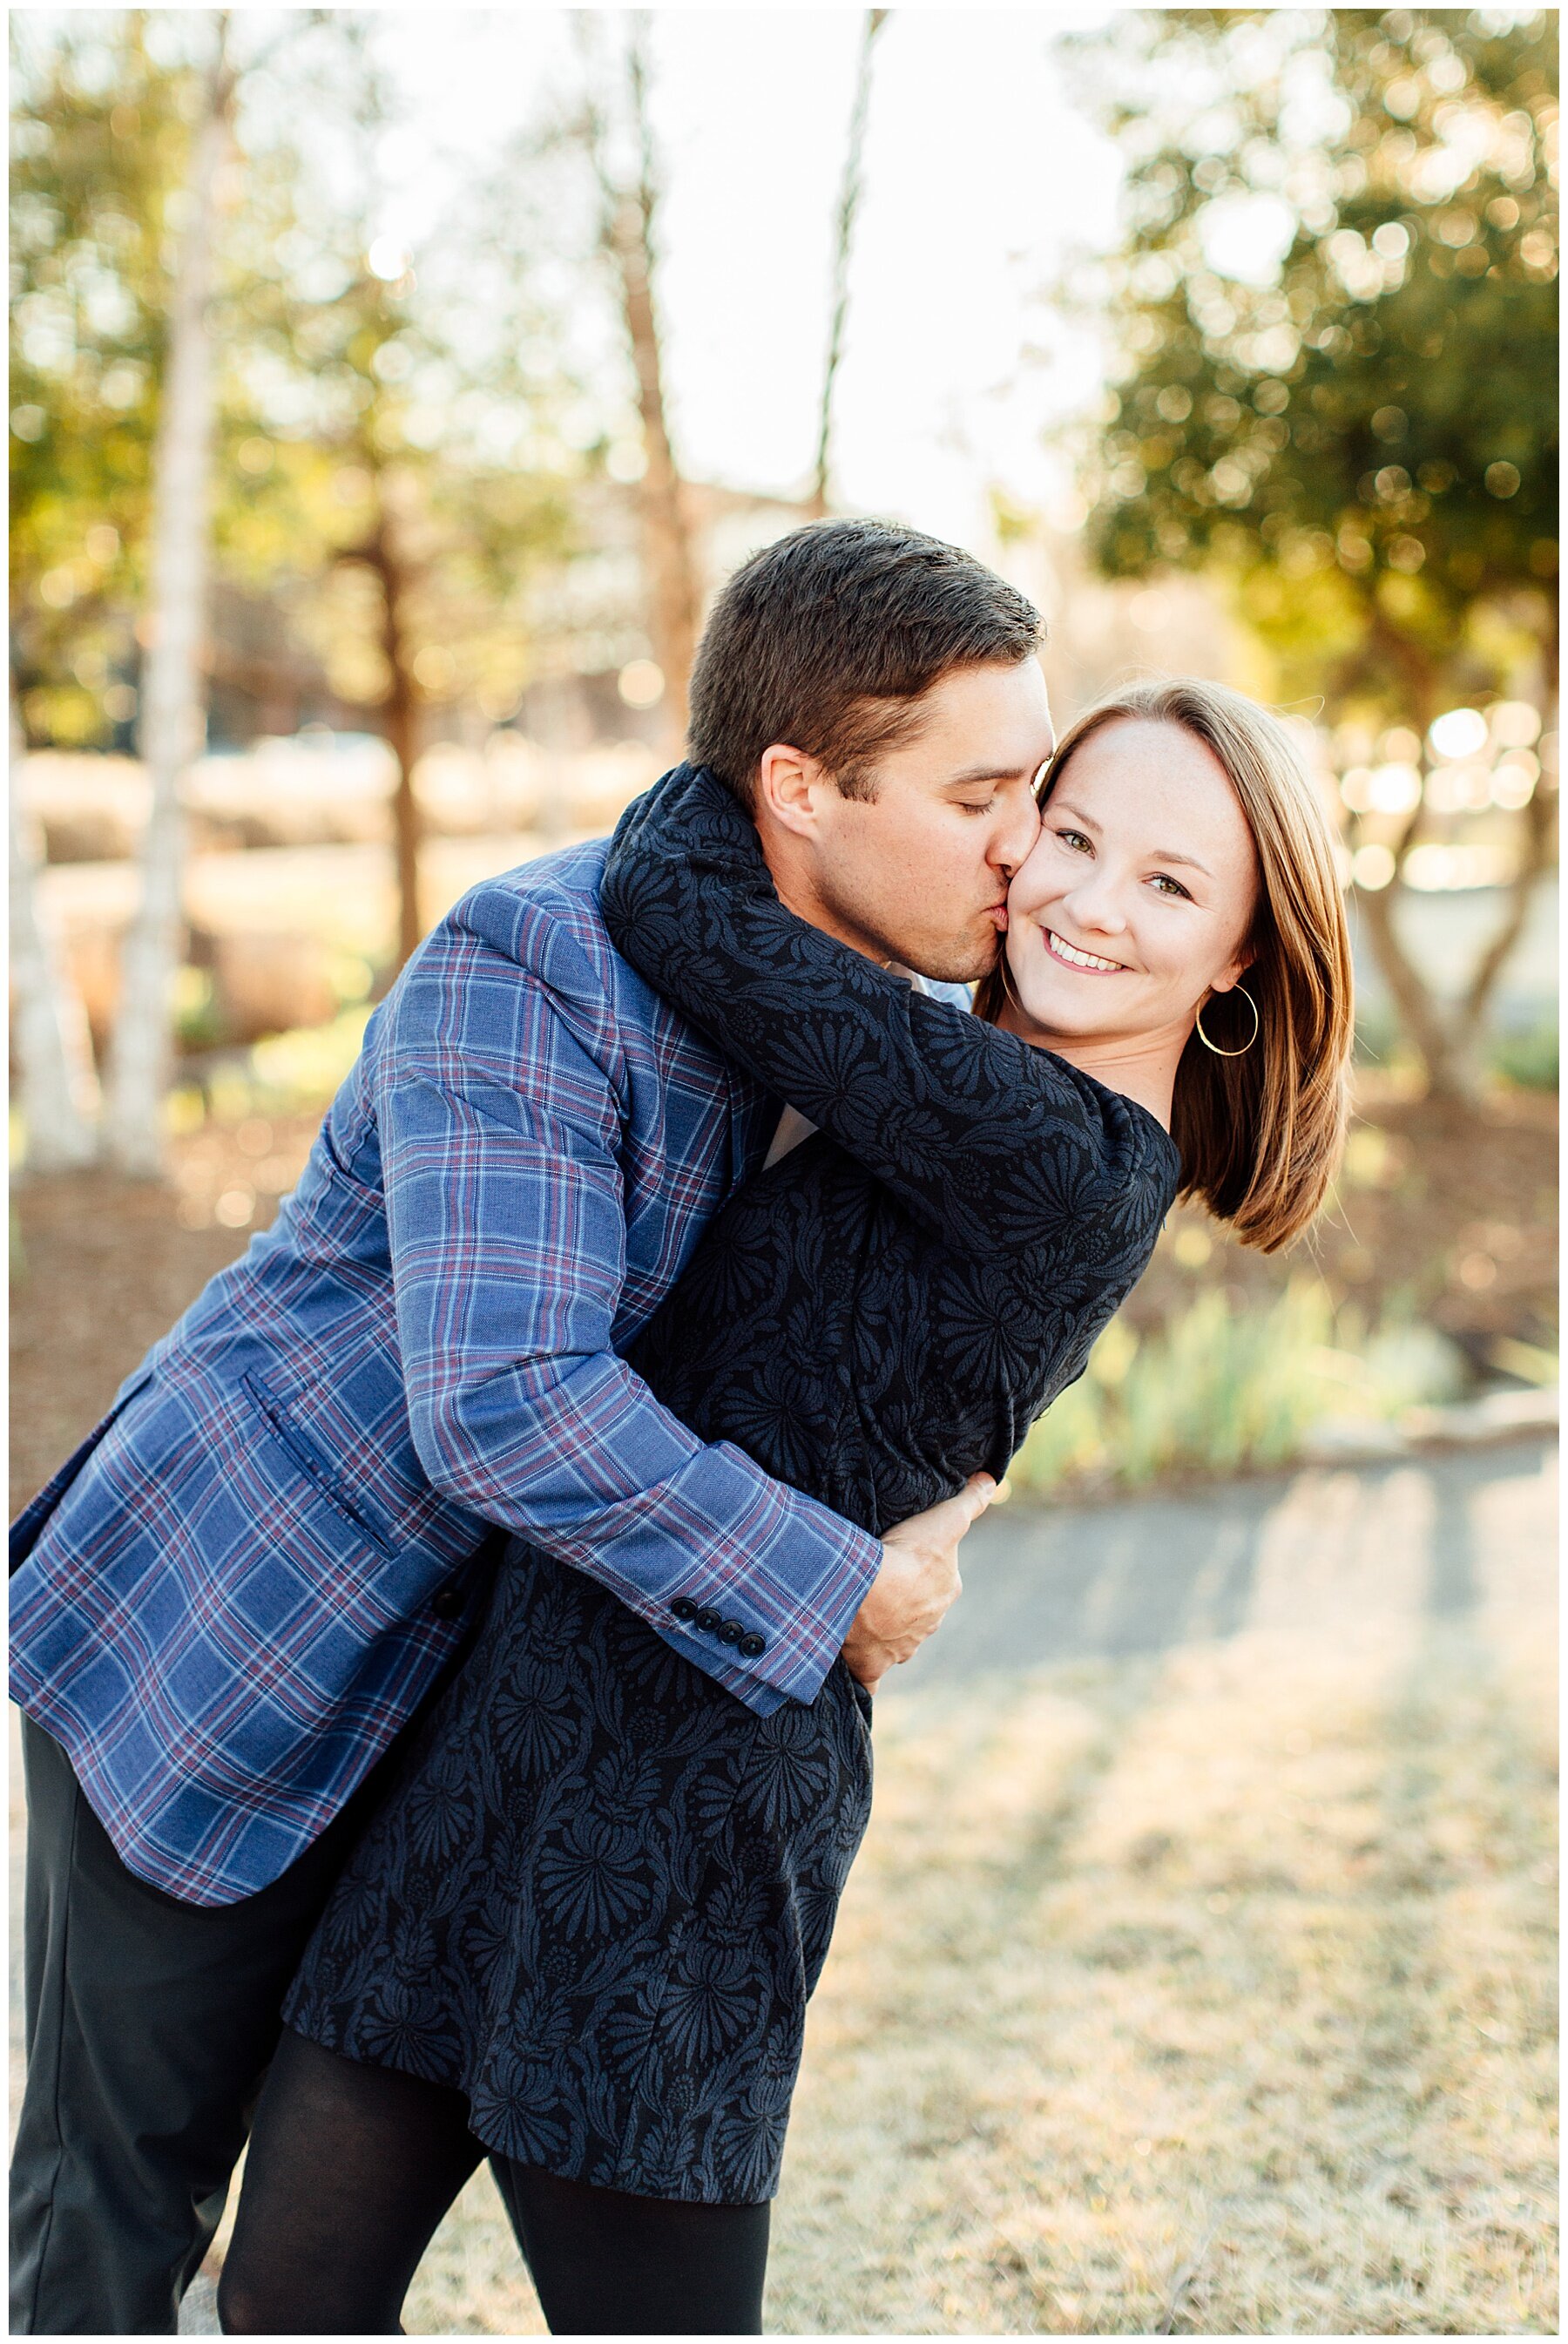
column 1138, row 897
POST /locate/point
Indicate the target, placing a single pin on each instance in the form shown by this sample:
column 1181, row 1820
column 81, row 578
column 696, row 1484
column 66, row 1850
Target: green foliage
column 297, row 1071
column 1529, row 1060
column 1223, row 1390
column 196, row 1021
column 406, row 418
column 99, row 138
column 1361, row 437
column 361, row 414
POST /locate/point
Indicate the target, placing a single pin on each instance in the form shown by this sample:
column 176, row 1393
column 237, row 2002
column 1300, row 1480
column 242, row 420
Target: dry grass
column 1208, row 1994
column 1172, row 2017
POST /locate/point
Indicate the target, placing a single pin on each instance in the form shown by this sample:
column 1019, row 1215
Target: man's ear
column 789, row 785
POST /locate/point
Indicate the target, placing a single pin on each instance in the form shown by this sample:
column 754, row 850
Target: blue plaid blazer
column 243, row 1582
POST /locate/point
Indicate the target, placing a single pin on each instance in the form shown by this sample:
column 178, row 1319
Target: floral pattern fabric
column 598, row 1899
column 602, row 1889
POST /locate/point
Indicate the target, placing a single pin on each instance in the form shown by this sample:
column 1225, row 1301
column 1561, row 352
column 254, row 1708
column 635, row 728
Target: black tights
column 351, row 2167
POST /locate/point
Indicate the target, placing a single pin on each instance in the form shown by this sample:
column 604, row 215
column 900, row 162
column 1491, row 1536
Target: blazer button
column 708, row 1620
column 447, row 1602
column 752, row 1645
column 683, row 1608
column 730, row 1633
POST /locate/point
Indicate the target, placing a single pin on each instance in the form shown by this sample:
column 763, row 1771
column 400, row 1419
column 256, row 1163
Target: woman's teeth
column 1073, row 957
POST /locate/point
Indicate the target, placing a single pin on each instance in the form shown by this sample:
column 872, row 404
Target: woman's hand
column 919, row 1580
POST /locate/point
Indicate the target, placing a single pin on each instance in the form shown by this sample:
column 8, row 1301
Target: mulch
column 1440, row 1215
column 101, row 1266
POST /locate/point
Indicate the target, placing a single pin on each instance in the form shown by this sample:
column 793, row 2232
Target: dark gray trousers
column 150, row 2024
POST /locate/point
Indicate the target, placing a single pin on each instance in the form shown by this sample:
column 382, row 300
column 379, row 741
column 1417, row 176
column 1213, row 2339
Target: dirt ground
column 1454, row 1221
column 101, row 1267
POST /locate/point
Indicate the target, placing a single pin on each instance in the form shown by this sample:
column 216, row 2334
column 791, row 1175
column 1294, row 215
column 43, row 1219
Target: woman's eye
column 1167, row 885
column 1075, row 840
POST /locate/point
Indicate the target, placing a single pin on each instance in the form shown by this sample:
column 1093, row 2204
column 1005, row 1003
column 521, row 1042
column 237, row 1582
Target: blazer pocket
column 312, row 1464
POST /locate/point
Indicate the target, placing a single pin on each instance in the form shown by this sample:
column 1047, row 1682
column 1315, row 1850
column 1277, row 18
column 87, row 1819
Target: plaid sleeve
column 507, row 1228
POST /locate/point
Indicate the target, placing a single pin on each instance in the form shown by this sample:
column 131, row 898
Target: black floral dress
column 601, row 1889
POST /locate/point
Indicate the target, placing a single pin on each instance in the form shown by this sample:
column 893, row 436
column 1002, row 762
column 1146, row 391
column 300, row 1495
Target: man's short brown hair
column 827, row 640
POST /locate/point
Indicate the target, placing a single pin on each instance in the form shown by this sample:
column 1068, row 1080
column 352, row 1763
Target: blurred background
column 389, row 391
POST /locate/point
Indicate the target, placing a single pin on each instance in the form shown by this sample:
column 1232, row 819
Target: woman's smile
column 1073, row 957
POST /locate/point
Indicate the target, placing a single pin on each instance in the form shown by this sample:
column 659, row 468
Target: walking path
column 1325, row 1551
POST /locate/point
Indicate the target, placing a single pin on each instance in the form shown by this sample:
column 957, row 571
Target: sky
column 978, row 168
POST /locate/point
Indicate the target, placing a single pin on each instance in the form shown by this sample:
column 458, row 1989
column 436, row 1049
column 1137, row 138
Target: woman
column 580, row 1932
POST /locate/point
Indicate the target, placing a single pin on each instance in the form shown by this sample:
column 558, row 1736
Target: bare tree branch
column 1535, row 862
column 1420, row 1012
column 399, row 713
column 627, row 215
column 848, row 205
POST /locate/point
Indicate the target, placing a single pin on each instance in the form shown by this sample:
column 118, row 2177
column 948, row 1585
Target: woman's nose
column 1095, row 902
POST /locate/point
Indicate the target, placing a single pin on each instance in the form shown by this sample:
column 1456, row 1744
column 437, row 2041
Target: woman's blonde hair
column 1260, row 1133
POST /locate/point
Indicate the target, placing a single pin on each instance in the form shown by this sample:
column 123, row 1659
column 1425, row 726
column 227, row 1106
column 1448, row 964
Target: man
column 236, row 1596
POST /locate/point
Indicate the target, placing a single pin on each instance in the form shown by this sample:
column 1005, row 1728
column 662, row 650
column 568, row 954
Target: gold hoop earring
column 1257, row 1029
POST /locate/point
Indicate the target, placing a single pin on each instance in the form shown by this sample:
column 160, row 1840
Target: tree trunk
column 1427, row 1022
column 399, row 726
column 1419, row 1010
column 1449, row 1035
column 675, row 594
column 58, row 1088
column 1535, row 862
column 173, row 718
column 1532, row 863
column 848, row 205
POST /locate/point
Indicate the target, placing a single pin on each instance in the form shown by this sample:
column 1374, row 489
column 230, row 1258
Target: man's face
column 918, row 874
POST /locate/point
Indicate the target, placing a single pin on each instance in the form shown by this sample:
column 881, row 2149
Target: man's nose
column 1014, row 841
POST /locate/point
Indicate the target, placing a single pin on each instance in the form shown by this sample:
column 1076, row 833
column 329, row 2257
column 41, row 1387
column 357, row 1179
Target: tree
column 58, row 1087
column 1336, row 222
column 843, row 244
column 100, row 145
column 172, row 720
column 99, row 142
column 385, row 470
column 104, row 111
column 406, row 426
column 616, row 134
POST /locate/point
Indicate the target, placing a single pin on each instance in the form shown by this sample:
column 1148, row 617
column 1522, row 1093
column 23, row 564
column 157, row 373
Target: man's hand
column 910, row 1596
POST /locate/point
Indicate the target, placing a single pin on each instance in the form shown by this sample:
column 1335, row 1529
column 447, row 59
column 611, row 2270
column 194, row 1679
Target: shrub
column 1221, row 1388
column 1529, row 1060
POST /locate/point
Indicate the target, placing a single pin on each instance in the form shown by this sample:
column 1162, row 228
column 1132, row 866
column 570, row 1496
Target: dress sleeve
column 994, row 1145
